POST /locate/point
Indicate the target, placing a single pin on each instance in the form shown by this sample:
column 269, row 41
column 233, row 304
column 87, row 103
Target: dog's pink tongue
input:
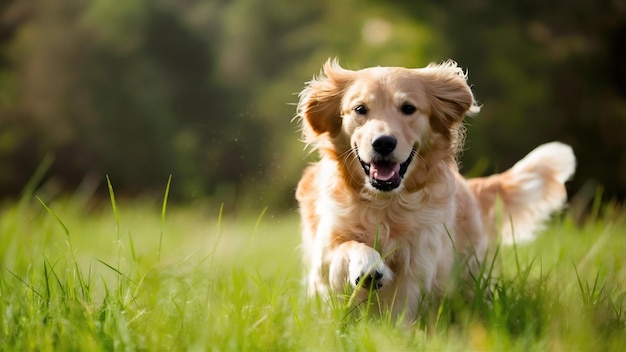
column 384, row 171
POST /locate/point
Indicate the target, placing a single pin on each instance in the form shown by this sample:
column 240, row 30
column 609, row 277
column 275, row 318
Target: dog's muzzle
column 384, row 174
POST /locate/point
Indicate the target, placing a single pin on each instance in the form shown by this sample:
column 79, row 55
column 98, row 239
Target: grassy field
column 134, row 275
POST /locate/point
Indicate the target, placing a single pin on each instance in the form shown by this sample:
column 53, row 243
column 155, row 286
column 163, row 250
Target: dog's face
column 386, row 120
column 383, row 119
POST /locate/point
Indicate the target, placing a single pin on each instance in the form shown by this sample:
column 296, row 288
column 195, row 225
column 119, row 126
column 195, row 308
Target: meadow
column 134, row 274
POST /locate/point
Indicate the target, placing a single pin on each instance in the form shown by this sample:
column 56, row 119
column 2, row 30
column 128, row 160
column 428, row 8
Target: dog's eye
column 361, row 110
column 408, row 109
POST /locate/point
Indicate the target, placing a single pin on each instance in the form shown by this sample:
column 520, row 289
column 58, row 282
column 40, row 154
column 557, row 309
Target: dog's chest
column 398, row 225
column 390, row 222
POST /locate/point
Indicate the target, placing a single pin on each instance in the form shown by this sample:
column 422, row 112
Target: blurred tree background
column 205, row 89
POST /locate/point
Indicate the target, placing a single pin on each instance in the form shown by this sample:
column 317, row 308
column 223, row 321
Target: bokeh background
column 204, row 90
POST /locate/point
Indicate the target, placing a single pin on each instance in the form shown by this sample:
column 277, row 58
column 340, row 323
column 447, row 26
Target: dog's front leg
column 358, row 265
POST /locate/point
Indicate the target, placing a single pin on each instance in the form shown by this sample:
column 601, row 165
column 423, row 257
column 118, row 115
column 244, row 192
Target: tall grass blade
column 27, row 284
column 47, row 282
column 117, row 225
column 53, row 272
column 114, row 206
column 119, row 273
column 84, row 284
column 59, row 221
column 583, row 292
column 219, row 218
column 258, row 222
column 219, row 231
column 132, row 246
column 163, row 209
column 590, row 295
column 35, row 180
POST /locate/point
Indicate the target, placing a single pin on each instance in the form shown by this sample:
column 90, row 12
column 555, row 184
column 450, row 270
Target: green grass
column 141, row 274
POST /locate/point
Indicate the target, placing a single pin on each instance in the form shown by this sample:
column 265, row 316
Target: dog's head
column 381, row 121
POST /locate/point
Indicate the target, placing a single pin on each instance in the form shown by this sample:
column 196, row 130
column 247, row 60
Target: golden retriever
column 385, row 207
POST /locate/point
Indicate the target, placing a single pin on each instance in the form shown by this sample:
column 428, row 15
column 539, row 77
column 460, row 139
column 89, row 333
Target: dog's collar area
column 385, row 175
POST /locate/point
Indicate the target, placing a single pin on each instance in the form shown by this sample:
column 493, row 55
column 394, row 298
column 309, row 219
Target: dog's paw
column 367, row 269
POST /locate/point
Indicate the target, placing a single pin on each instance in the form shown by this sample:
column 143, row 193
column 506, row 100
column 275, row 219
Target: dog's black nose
column 384, row 144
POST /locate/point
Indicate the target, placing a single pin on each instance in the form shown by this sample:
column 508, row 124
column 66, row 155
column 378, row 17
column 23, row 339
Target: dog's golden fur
column 388, row 139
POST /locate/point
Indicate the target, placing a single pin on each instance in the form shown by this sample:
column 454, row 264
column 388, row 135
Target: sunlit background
column 205, row 90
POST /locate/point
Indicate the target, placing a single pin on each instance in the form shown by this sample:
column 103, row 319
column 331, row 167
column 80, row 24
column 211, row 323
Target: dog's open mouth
column 385, row 175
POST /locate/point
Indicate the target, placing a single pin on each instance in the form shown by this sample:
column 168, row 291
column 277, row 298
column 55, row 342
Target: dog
column 385, row 207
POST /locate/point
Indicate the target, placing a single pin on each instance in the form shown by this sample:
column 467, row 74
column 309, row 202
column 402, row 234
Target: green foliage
column 542, row 71
column 133, row 277
column 205, row 90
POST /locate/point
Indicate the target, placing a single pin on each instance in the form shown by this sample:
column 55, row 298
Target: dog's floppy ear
column 319, row 105
column 449, row 95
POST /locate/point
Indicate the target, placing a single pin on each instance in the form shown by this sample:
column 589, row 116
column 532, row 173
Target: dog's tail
column 518, row 201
